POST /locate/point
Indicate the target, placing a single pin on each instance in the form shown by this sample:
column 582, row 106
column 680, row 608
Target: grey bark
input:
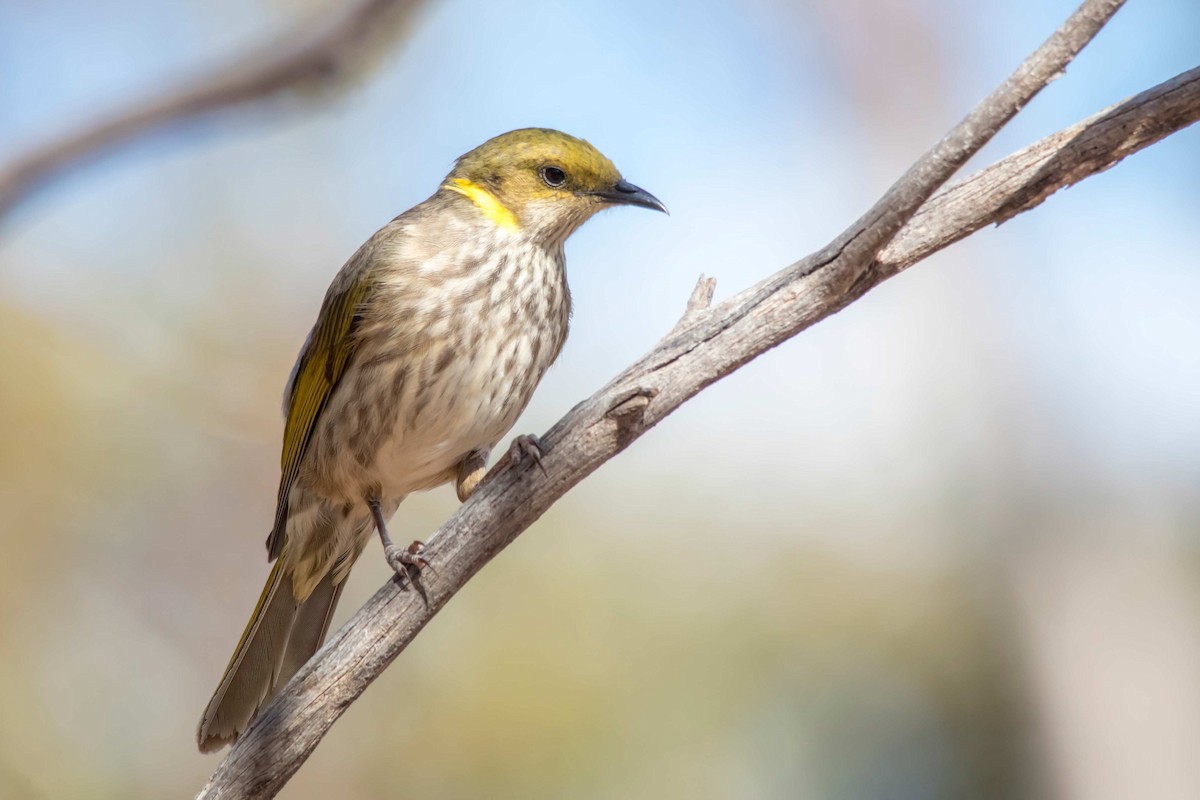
column 906, row 225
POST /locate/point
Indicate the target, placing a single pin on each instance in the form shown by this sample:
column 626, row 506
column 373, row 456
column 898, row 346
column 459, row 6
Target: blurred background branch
column 708, row 346
column 318, row 56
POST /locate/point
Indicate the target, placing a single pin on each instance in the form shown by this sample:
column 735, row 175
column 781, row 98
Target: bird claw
column 407, row 562
column 520, row 449
column 402, row 558
column 527, row 446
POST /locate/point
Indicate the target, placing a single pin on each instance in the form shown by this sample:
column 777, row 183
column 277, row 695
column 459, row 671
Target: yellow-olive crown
column 513, row 162
column 542, row 179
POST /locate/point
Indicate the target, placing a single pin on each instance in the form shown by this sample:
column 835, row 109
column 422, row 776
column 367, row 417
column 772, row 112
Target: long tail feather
column 282, row 634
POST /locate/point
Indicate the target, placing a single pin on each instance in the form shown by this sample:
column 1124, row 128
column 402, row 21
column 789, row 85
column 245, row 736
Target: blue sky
column 765, row 127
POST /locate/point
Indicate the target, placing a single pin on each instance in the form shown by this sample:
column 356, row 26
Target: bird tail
column 282, row 634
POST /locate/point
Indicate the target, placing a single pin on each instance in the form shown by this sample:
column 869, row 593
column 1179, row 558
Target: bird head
column 542, row 182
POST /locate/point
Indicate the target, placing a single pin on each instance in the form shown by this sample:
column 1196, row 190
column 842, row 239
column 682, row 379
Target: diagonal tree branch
column 1026, row 178
column 705, row 346
column 319, row 55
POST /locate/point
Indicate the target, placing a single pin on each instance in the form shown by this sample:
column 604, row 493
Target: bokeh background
column 943, row 545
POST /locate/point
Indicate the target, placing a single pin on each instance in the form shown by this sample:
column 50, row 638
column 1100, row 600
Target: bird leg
column 470, row 472
column 473, row 471
column 405, row 561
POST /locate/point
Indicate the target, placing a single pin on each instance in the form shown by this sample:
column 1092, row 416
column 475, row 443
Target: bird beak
column 626, row 194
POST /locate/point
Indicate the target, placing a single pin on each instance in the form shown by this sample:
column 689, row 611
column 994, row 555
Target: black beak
column 626, row 194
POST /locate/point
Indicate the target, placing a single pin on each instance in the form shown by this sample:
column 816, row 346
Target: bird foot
column 404, row 559
column 407, row 562
column 473, row 473
column 527, row 446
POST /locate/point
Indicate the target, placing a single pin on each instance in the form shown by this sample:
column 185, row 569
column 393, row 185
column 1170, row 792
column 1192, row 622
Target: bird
column 428, row 345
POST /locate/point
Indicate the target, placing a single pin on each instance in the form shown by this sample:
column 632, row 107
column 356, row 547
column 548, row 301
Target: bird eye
column 553, row 176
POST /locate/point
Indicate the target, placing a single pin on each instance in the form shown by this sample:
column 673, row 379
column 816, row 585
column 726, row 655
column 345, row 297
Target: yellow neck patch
column 487, row 202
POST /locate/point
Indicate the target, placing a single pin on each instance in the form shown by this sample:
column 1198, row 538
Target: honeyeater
column 427, row 347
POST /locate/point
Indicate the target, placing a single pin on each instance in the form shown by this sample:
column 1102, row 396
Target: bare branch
column 712, row 344
column 316, row 56
column 1025, row 179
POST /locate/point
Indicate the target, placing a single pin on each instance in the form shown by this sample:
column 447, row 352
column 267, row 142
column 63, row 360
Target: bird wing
column 319, row 368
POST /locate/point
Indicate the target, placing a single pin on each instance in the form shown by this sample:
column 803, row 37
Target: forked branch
column 706, row 345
